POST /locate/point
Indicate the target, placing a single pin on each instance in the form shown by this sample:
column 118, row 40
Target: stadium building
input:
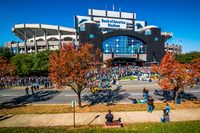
column 119, row 35
column 173, row 48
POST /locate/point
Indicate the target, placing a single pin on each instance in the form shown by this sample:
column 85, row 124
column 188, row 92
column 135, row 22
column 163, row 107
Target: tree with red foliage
column 108, row 63
column 5, row 67
column 174, row 75
column 74, row 68
column 196, row 67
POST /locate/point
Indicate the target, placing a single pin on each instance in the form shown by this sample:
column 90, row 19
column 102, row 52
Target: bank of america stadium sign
column 112, row 23
column 125, row 55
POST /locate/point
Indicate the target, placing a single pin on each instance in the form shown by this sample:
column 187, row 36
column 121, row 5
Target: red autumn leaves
column 174, row 75
column 73, row 67
column 5, row 67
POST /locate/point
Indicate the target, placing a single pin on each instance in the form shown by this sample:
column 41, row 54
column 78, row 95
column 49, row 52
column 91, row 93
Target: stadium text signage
column 125, row 55
column 112, row 23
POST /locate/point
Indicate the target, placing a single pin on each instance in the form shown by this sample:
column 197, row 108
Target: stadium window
column 148, row 32
column 82, row 28
column 91, row 36
column 156, row 39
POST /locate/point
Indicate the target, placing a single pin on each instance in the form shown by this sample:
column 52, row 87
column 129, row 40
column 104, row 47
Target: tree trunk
column 79, row 99
column 175, row 95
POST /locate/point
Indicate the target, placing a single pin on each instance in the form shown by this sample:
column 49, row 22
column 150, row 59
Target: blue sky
column 181, row 17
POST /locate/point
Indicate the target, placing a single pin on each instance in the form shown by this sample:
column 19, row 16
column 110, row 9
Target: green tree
column 31, row 64
column 23, row 64
column 5, row 53
column 40, row 62
column 188, row 57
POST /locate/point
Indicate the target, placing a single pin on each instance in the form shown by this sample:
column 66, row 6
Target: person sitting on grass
column 137, row 101
column 142, row 101
column 134, row 101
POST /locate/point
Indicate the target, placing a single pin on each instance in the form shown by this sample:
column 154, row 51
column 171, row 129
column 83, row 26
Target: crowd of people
column 142, row 73
column 107, row 78
column 25, row 81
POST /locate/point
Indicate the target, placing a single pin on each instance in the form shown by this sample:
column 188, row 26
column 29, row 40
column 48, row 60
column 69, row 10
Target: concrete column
column 45, row 38
column 76, row 27
column 138, row 54
column 25, row 43
column 11, row 47
column 18, row 48
column 92, row 14
column 35, row 43
column 59, row 34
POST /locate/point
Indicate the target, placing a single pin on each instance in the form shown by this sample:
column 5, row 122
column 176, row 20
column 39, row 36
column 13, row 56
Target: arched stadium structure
column 38, row 37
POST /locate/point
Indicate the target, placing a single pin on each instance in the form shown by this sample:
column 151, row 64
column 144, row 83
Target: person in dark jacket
column 145, row 94
column 109, row 116
column 165, row 117
column 26, row 90
column 150, row 104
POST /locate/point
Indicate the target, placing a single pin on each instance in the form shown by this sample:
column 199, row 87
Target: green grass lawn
column 55, row 109
column 128, row 78
column 175, row 127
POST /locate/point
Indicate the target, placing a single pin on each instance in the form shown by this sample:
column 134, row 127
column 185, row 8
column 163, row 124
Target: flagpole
column 113, row 7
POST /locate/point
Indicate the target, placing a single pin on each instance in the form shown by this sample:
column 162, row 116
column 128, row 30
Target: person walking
column 117, row 83
column 37, row 87
column 26, row 90
column 145, row 94
column 32, row 90
column 150, row 104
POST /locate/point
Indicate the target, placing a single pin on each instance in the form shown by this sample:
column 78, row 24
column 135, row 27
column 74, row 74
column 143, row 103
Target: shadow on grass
column 169, row 95
column 106, row 96
column 41, row 95
column 4, row 117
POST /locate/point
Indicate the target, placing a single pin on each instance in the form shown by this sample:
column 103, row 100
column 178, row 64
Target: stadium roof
column 147, row 27
column 29, row 30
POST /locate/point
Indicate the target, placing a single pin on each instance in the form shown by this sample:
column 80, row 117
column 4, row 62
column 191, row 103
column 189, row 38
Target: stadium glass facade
column 123, row 45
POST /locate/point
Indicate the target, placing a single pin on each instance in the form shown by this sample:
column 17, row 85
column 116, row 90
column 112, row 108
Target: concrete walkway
column 26, row 120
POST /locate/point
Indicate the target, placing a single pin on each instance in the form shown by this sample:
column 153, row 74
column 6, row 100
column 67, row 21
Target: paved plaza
column 27, row 120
